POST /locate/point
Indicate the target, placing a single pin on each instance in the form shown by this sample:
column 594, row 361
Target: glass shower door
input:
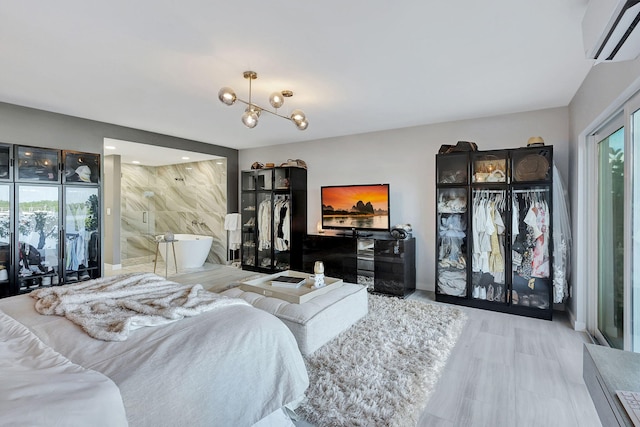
column 139, row 199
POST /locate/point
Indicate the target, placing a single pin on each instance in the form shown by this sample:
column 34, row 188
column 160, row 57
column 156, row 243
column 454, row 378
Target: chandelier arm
column 263, row 109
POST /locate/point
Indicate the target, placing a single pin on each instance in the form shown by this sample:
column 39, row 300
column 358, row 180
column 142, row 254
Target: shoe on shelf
column 490, row 293
column 72, row 277
column 46, row 281
column 538, row 301
column 84, row 275
column 476, row 292
column 514, row 298
column 483, row 293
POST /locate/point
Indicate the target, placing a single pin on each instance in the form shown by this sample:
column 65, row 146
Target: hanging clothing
column 264, row 225
column 488, row 231
column 530, row 250
column 282, row 224
column 561, row 239
column 72, row 250
column 540, row 266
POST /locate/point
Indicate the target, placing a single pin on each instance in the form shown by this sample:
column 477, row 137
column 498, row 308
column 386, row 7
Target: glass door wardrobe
column 81, row 233
column 6, row 233
column 38, row 238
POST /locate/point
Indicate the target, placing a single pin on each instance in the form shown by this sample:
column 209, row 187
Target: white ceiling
column 142, row 154
column 354, row 66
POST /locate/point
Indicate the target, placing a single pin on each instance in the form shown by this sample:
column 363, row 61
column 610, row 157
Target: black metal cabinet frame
column 518, row 177
column 40, row 211
column 274, row 218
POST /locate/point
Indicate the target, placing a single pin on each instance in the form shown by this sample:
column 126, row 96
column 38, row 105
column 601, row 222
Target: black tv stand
column 394, row 268
column 354, row 233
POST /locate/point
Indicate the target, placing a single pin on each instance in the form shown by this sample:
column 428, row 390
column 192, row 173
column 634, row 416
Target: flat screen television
column 355, row 207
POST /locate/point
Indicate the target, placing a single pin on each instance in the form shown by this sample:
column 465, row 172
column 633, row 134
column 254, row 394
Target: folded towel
column 232, row 221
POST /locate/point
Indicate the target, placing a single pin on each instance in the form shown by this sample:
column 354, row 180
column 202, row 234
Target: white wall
column 405, row 158
column 605, row 89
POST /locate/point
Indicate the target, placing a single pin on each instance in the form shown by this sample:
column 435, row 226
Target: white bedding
column 46, row 389
column 228, row 367
column 110, row 308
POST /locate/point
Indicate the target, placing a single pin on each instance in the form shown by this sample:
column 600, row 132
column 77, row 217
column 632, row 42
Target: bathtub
column 191, row 250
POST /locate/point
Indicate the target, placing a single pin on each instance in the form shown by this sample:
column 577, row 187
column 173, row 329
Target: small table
column 166, row 256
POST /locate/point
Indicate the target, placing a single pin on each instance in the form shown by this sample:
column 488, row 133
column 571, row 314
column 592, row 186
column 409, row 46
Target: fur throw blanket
column 109, row 308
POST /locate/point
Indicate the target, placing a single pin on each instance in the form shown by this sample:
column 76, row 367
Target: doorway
column 161, row 190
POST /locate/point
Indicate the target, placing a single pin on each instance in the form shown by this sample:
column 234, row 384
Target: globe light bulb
column 227, row 96
column 297, row 115
column 250, row 117
column 276, row 99
column 302, row 124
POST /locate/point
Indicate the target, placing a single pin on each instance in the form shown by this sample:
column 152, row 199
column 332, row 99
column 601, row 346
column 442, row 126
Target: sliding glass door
column 617, row 300
column 634, row 287
column 611, row 234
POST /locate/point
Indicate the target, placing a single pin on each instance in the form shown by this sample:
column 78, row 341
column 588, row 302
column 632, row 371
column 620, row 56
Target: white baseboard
column 113, row 266
column 577, row 326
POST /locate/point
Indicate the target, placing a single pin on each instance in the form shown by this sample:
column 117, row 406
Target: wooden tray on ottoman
column 299, row 295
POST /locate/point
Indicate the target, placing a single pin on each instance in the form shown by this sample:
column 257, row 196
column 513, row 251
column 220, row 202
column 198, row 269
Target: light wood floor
column 509, row 370
column 505, row 370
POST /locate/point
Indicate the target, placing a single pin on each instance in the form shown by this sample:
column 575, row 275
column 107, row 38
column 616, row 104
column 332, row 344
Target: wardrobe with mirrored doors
column 49, row 217
column 493, row 231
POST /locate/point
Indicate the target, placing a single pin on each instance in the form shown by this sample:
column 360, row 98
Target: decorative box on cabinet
column 493, row 232
column 274, row 218
column 38, row 212
column 395, row 267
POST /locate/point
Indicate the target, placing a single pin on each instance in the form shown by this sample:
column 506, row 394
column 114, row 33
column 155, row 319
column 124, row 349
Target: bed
column 234, row 365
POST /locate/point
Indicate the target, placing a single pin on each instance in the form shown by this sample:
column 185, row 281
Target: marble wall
column 186, row 198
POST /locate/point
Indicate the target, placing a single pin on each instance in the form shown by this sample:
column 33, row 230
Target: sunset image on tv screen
column 357, row 206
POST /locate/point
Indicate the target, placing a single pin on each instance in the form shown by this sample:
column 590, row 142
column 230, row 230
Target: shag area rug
column 381, row 371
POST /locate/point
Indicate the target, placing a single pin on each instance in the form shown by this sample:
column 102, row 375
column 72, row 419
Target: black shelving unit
column 274, row 218
column 493, row 228
column 47, row 198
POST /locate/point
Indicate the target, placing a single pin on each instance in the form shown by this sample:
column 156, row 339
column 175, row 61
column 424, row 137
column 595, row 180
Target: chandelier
column 227, row 96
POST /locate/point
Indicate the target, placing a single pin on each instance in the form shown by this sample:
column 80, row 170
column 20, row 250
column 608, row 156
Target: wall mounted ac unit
column 610, row 30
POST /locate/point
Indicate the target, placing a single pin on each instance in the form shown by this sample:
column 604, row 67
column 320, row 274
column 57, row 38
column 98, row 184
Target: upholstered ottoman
column 317, row 321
